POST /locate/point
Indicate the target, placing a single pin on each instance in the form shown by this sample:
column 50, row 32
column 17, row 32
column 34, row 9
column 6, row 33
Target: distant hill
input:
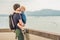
column 44, row 12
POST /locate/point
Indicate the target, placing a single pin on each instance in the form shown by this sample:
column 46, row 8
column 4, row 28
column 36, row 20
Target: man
column 18, row 21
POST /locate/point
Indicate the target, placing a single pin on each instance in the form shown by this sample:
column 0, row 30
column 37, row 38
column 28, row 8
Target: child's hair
column 22, row 7
column 15, row 6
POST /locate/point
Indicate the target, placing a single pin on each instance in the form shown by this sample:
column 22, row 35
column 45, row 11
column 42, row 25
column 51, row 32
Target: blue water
column 4, row 21
column 47, row 23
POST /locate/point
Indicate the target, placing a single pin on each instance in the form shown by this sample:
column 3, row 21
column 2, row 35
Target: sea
column 44, row 23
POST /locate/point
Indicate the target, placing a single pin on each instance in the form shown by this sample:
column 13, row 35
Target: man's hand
column 21, row 26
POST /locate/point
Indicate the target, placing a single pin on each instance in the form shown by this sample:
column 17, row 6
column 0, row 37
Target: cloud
column 31, row 5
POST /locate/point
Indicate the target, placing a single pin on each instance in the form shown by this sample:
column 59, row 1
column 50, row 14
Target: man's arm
column 20, row 24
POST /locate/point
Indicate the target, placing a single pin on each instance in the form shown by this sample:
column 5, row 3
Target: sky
column 31, row 5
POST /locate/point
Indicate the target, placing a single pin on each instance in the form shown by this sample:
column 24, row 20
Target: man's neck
column 17, row 11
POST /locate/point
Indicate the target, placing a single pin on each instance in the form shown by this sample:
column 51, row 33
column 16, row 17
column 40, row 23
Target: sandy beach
column 7, row 36
column 11, row 36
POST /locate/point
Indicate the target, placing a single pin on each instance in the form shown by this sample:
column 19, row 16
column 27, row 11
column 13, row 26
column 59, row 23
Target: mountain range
column 44, row 12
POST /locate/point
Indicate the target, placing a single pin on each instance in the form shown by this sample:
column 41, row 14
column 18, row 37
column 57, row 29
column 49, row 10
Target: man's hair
column 15, row 6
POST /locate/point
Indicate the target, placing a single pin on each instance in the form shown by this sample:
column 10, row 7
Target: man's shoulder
column 15, row 14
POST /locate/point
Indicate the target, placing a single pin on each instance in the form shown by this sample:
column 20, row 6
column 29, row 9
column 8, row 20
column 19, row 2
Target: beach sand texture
column 7, row 36
column 11, row 36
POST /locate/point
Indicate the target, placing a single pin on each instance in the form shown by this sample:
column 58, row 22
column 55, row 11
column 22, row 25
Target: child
column 21, row 24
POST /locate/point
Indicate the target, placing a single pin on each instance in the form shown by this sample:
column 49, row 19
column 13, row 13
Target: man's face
column 18, row 9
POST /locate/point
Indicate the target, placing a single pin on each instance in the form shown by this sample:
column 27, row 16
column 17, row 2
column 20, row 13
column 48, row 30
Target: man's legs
column 19, row 34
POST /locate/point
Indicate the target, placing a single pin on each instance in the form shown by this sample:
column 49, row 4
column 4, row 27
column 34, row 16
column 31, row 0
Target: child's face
column 22, row 9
